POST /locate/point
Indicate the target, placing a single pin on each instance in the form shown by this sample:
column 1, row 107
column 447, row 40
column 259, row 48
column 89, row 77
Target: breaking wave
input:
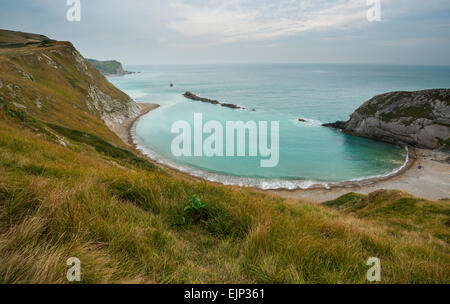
column 307, row 123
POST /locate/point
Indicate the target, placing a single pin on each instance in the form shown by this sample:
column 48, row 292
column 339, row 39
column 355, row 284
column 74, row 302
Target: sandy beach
column 427, row 174
column 124, row 130
column 427, row 177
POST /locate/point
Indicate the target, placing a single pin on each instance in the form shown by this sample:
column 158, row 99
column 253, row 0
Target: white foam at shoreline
column 261, row 183
column 135, row 94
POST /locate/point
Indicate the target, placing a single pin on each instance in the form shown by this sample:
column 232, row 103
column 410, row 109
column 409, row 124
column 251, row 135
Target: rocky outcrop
column 420, row 119
column 112, row 111
column 192, row 96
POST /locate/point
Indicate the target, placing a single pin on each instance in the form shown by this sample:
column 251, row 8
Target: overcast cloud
column 243, row 31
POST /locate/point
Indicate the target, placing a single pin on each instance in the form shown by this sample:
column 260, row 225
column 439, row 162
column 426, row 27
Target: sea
column 310, row 155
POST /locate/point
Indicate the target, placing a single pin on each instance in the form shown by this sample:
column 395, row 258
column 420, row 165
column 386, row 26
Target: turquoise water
column 308, row 153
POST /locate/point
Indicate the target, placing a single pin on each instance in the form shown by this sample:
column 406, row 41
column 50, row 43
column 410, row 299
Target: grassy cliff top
column 51, row 81
column 18, row 39
column 412, row 105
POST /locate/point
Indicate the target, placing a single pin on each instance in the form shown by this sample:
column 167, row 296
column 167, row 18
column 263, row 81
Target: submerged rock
column 420, row 119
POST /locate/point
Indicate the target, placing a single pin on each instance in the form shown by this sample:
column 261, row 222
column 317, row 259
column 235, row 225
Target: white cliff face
column 420, row 119
column 81, row 63
column 112, row 111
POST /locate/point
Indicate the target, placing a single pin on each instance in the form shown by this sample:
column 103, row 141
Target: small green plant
column 193, row 212
column 21, row 115
column 14, row 114
column 195, row 205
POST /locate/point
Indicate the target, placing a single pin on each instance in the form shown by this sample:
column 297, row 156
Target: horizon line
column 291, row 63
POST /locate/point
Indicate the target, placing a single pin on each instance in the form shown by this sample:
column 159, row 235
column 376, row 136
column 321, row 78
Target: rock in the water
column 301, row 120
column 229, row 105
column 192, row 96
column 420, row 119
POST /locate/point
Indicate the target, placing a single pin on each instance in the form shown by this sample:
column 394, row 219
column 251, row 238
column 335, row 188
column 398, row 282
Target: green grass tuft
column 104, row 147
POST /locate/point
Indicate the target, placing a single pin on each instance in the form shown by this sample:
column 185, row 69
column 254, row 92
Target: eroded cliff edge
column 51, row 81
column 420, row 119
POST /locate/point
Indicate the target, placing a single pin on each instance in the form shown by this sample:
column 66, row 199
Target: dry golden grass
column 126, row 223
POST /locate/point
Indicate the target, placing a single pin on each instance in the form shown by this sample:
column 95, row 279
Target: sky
column 243, row 31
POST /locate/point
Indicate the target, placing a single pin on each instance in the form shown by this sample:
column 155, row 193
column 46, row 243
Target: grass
column 424, row 110
column 125, row 224
column 399, row 210
column 103, row 147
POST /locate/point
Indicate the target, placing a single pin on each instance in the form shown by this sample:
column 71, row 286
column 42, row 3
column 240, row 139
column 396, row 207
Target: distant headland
column 109, row 67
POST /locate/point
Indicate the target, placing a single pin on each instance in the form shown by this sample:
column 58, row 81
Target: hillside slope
column 420, row 119
column 50, row 80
